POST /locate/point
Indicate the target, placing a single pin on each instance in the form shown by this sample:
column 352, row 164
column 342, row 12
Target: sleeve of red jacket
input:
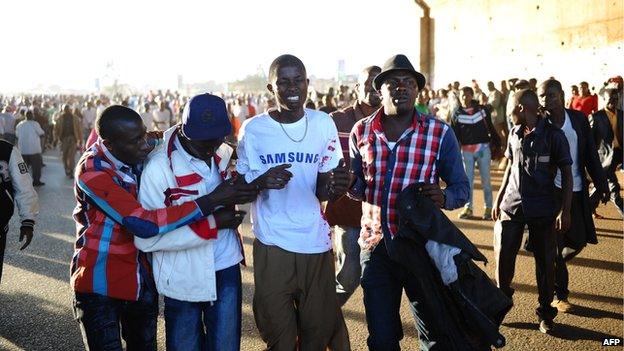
column 125, row 209
column 152, row 196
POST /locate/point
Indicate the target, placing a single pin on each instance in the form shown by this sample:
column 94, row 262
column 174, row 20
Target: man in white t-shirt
column 292, row 155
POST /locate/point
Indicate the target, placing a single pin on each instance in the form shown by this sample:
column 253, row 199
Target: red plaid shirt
column 425, row 152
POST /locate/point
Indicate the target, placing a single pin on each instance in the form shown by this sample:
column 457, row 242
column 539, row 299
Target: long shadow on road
column 588, row 312
column 31, row 323
column 565, row 331
column 577, row 261
column 577, row 295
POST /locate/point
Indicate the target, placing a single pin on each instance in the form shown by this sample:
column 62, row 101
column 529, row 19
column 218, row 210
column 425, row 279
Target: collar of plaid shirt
column 418, row 122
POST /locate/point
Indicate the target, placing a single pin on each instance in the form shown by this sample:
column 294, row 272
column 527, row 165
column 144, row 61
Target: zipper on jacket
column 172, row 265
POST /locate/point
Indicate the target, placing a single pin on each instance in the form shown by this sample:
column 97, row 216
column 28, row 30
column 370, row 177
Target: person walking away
column 68, row 131
column 30, row 137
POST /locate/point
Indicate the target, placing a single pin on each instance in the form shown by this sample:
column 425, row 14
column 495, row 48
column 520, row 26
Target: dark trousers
column 104, row 320
column 68, row 149
column 508, row 233
column 570, row 243
column 383, row 282
column 35, row 162
column 4, row 229
column 614, row 185
column 562, row 277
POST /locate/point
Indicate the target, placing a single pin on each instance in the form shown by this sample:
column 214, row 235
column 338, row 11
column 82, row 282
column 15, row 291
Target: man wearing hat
column 197, row 267
column 389, row 150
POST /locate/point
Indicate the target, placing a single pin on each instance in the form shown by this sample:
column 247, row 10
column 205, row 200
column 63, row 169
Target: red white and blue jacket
column 108, row 215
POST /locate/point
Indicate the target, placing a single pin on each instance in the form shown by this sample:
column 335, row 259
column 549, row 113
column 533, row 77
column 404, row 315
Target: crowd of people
column 161, row 174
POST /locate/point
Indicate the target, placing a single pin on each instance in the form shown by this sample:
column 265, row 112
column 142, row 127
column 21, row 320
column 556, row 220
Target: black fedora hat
column 398, row 63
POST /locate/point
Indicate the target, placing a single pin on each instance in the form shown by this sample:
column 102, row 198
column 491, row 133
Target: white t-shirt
column 28, row 137
column 291, row 217
column 227, row 250
column 570, row 134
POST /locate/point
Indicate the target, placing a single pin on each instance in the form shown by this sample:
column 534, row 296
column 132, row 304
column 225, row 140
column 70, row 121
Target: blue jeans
column 207, row 325
column 100, row 318
column 483, row 158
column 348, row 269
column 383, row 282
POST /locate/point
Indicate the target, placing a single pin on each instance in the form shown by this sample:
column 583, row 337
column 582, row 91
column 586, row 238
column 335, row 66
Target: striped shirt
column 424, row 153
column 107, row 214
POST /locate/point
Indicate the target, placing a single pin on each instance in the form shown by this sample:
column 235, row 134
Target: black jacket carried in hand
column 602, row 132
column 471, row 308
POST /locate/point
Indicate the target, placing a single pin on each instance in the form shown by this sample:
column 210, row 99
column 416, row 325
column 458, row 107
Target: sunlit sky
column 70, row 43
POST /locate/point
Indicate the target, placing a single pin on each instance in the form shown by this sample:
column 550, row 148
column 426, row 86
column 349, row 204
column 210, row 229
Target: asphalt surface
column 36, row 299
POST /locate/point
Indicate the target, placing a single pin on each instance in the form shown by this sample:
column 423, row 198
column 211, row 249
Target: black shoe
column 546, row 326
column 38, row 183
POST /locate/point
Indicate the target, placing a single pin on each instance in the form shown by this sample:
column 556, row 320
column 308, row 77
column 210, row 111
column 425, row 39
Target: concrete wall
column 572, row 40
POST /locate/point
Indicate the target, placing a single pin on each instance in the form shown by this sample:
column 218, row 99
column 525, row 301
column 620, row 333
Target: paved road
column 36, row 300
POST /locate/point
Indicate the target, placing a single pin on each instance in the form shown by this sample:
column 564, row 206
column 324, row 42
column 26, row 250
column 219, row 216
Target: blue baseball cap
column 205, row 117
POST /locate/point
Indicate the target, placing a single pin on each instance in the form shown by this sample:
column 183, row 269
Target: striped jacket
column 107, row 214
column 474, row 126
column 424, row 153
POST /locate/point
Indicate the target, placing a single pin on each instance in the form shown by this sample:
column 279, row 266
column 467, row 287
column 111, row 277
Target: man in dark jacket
column 584, row 156
column 345, row 214
column 606, row 127
column 474, row 129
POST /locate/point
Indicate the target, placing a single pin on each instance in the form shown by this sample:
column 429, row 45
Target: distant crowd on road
column 339, row 183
